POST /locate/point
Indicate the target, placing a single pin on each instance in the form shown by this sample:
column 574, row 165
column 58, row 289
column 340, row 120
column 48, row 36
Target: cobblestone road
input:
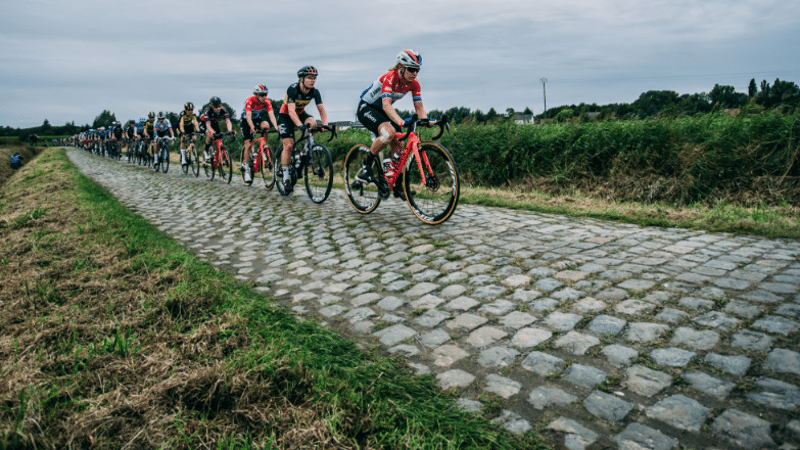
column 602, row 334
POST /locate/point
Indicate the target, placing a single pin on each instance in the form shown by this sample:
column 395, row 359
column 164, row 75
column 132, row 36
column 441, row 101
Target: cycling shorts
column 372, row 117
column 247, row 133
column 286, row 126
column 162, row 134
column 188, row 129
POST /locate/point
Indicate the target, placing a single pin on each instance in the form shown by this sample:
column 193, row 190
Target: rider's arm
column 248, row 115
column 228, row 123
column 390, row 112
column 290, row 108
column 272, row 119
column 420, row 110
column 323, row 116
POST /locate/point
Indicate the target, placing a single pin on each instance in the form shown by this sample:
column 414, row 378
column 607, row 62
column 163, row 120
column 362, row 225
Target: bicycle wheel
column 164, row 157
column 193, row 160
column 434, row 201
column 319, row 174
column 265, row 162
column 225, row 165
column 363, row 197
column 185, row 161
column 278, row 172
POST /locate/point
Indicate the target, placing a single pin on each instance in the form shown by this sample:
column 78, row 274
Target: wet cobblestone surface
column 594, row 333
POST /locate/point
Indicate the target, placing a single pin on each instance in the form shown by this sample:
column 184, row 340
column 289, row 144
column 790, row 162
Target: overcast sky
column 70, row 60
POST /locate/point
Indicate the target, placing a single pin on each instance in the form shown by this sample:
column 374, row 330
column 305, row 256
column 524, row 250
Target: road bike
column 162, row 162
column 426, row 173
column 311, row 161
column 220, row 160
column 261, row 154
column 144, row 152
column 192, row 160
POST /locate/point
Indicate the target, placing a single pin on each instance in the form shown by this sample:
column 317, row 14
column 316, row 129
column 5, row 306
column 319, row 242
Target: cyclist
column 130, row 134
column 148, row 129
column 161, row 128
column 252, row 119
column 293, row 114
column 210, row 118
column 116, row 133
column 101, row 139
column 187, row 123
column 376, row 111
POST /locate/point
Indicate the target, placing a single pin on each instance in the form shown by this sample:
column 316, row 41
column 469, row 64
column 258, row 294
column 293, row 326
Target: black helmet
column 307, row 70
column 188, row 106
column 151, row 115
column 215, row 101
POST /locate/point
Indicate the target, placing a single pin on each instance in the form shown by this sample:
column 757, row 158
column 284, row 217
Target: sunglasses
column 412, row 69
column 262, row 95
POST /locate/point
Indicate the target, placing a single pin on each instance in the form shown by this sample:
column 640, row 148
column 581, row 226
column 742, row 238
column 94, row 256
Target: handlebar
column 443, row 123
column 317, row 129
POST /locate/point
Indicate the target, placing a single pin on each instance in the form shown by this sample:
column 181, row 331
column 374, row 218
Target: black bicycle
column 311, row 161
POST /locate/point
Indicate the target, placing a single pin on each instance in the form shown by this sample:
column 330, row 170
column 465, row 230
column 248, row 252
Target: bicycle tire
column 277, row 170
column 266, row 166
column 194, row 161
column 184, row 163
column 225, row 161
column 151, row 151
column 320, row 166
column 435, row 201
column 164, row 157
column 363, row 198
column 208, row 164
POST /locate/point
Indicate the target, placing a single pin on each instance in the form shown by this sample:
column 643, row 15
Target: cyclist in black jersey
column 210, row 118
column 293, row 114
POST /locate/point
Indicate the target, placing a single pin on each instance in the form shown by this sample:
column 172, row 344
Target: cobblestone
column 536, row 308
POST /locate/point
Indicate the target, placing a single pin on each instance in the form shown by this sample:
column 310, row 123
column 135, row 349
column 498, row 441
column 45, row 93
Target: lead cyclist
column 376, row 111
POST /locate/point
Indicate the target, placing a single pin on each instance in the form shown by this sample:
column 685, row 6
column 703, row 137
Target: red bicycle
column 261, row 155
column 220, row 159
column 429, row 182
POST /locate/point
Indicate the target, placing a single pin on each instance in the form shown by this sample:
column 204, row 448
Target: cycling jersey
column 186, row 118
column 140, row 127
column 210, row 116
column 117, row 132
column 388, row 86
column 300, row 100
column 256, row 107
column 162, row 126
column 148, row 126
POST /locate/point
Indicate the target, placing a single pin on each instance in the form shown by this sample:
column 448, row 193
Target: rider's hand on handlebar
column 407, row 121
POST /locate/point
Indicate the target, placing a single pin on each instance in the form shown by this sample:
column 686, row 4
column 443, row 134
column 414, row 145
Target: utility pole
column 544, row 92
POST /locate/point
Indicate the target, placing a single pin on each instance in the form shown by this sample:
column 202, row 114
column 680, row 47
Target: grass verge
column 113, row 336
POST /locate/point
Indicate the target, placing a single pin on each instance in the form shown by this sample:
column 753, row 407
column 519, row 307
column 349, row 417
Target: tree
column 752, row 90
column 492, row 114
column 510, row 113
column 105, row 119
column 651, row 103
column 46, row 127
column 727, row 97
column 527, row 111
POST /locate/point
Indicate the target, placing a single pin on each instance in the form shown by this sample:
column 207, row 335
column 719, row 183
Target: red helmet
column 260, row 89
column 409, row 58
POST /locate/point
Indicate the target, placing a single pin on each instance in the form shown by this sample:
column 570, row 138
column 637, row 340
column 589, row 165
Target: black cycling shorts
column 286, row 126
column 372, row 117
column 247, row 133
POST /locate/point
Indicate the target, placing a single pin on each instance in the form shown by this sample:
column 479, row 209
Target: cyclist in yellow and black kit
column 148, row 129
column 187, row 123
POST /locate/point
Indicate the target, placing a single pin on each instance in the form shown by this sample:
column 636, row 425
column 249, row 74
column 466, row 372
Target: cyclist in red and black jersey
column 376, row 111
column 252, row 120
column 211, row 117
column 293, row 114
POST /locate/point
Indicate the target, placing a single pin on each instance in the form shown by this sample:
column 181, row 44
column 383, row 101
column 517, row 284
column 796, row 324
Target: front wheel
column 318, row 174
column 363, row 197
column 265, row 162
column 432, row 190
column 164, row 157
column 193, row 160
column 225, row 165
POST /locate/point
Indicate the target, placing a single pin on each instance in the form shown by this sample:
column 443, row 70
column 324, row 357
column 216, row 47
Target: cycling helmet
column 142, row 120
column 261, row 89
column 161, row 115
column 151, row 115
column 216, row 101
column 188, row 106
column 307, row 70
column 409, row 58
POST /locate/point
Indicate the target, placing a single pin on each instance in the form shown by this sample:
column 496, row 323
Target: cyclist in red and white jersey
column 376, row 111
column 252, row 120
column 293, row 114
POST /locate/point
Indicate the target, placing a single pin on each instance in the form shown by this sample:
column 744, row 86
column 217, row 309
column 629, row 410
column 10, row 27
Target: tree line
column 780, row 96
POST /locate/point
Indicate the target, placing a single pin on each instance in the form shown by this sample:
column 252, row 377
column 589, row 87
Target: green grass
column 230, row 356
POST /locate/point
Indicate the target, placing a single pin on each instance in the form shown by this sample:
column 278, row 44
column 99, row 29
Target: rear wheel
column 208, row 164
column 193, row 161
column 318, row 174
column 265, row 166
column 363, row 197
column 225, row 166
column 435, row 200
column 278, row 172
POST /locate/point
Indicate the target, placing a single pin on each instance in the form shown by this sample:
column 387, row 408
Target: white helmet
column 409, row 58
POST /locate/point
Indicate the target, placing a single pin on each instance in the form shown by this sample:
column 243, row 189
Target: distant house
column 344, row 125
column 523, row 118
